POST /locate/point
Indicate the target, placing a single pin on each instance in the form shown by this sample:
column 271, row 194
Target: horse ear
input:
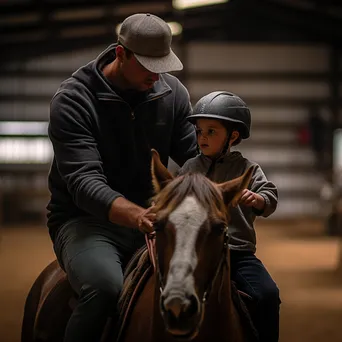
column 232, row 189
column 160, row 174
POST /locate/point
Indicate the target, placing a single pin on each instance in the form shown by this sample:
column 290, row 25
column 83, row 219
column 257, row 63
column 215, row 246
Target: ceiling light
column 176, row 28
column 184, row 4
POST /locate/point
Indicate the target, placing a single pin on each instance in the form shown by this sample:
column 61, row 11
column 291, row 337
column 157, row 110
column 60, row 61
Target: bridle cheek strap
column 150, row 239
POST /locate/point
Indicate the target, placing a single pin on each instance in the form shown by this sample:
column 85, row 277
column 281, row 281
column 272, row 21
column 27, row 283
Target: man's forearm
column 124, row 212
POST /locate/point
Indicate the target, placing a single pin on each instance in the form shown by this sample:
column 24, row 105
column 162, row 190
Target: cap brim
column 160, row 65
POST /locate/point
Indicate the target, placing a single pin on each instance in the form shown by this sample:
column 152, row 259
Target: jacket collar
column 160, row 88
column 223, row 159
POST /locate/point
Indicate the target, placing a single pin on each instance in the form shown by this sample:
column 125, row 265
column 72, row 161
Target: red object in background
column 304, row 135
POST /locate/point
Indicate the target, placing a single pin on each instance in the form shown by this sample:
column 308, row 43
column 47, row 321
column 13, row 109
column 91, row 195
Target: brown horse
column 188, row 294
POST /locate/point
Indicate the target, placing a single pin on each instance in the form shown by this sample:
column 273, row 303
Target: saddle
column 48, row 306
column 51, row 300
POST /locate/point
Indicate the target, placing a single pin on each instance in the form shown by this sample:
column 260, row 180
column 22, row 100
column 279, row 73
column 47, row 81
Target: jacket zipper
column 103, row 98
column 155, row 98
column 131, row 110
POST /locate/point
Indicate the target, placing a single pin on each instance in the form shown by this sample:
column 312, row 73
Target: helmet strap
column 226, row 145
column 223, row 152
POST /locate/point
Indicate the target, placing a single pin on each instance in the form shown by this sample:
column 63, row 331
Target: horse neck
column 221, row 318
column 221, row 295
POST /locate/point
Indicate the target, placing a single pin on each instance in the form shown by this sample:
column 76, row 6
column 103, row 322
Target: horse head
column 191, row 242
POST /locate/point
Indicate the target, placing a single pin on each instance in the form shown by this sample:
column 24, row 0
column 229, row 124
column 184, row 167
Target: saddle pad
column 241, row 307
column 136, row 274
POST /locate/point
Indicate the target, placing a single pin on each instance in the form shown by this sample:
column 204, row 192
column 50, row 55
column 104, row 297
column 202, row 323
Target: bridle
column 150, row 239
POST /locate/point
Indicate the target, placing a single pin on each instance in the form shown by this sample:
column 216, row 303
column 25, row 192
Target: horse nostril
column 177, row 306
column 194, row 305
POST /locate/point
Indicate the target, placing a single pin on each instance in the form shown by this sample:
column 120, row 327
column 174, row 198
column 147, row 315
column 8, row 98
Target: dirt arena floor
column 302, row 260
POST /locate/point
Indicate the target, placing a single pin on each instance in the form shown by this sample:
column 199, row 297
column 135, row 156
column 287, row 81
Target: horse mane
column 190, row 184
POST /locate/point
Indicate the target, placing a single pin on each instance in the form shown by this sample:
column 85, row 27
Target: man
column 104, row 121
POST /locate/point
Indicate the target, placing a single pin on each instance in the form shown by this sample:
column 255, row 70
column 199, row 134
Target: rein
column 222, row 261
column 150, row 241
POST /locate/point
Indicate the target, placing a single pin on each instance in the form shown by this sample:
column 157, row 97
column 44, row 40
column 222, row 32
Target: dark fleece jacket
column 102, row 145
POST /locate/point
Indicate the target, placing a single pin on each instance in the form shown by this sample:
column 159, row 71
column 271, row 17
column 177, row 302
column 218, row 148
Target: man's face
column 137, row 76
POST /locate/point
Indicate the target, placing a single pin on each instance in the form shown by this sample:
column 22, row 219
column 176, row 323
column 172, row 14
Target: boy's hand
column 251, row 199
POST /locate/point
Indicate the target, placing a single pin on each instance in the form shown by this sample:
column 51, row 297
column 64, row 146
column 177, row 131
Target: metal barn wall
column 278, row 82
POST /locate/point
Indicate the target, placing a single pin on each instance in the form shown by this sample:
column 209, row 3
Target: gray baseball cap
column 149, row 38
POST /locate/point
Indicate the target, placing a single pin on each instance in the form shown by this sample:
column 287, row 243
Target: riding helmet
column 224, row 106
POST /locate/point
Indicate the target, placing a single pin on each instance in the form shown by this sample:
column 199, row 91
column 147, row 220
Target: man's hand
column 126, row 213
column 251, row 199
column 145, row 220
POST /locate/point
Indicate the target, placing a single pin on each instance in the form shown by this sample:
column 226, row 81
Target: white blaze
column 187, row 219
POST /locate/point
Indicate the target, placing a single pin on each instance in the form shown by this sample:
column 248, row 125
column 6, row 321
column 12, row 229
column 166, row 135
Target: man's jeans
column 94, row 254
column 251, row 277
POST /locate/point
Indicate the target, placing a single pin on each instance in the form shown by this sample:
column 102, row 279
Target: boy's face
column 211, row 136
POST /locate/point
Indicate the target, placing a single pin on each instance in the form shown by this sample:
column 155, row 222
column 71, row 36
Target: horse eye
column 219, row 227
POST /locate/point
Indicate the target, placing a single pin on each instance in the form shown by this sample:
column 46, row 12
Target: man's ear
column 160, row 174
column 231, row 190
column 120, row 52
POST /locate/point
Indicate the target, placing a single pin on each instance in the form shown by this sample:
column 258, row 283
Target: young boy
column 222, row 119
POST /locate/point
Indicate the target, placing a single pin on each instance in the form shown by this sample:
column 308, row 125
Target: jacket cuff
column 264, row 211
